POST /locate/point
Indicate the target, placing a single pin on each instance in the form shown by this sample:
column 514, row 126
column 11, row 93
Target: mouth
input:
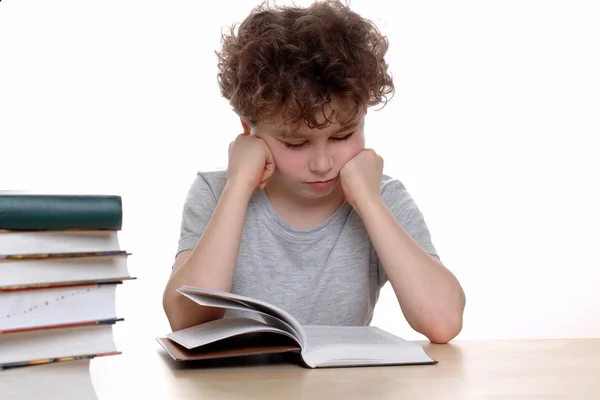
column 322, row 185
column 321, row 182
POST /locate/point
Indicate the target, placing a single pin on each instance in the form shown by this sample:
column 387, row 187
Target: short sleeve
column 407, row 213
column 198, row 208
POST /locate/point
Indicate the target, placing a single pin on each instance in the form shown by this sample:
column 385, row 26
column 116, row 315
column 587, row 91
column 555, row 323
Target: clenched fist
column 251, row 163
column 361, row 177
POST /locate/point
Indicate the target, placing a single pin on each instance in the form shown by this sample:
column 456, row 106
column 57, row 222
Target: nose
column 321, row 161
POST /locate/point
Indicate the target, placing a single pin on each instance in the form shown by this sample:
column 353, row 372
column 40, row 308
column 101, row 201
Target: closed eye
column 300, row 145
column 343, row 137
column 295, row 145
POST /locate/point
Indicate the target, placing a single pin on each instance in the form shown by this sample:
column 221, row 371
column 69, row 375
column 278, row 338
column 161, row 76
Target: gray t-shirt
column 326, row 275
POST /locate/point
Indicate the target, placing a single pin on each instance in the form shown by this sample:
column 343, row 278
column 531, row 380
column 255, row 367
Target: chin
column 305, row 191
column 302, row 190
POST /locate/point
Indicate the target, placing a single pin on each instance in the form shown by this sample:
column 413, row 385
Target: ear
column 245, row 126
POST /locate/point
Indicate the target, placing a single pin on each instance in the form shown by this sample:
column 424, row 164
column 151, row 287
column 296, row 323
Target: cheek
column 349, row 149
column 286, row 162
column 289, row 163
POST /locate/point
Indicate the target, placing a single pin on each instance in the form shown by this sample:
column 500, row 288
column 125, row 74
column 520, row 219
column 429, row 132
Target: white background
column 493, row 130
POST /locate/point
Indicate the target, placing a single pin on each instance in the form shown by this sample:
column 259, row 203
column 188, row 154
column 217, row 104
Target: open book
column 270, row 329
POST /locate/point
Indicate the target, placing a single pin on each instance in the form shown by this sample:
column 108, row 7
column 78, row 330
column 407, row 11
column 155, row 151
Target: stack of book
column 60, row 265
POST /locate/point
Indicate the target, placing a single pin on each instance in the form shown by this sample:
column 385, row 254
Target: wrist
column 238, row 190
column 368, row 204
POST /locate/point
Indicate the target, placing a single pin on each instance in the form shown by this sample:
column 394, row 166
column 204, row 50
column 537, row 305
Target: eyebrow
column 296, row 135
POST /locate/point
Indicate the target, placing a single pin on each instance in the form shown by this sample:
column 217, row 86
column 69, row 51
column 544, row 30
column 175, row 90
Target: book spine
column 49, row 256
column 52, row 285
column 60, row 212
column 20, row 364
column 110, row 321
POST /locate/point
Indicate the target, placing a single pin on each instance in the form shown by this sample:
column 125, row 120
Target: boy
column 303, row 217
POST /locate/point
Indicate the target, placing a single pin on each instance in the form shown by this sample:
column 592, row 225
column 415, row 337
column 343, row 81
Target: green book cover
column 60, row 212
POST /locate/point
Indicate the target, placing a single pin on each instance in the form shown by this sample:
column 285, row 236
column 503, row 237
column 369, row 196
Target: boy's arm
column 211, row 264
column 429, row 295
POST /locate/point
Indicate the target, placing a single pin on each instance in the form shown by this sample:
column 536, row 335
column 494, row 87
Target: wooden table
column 495, row 369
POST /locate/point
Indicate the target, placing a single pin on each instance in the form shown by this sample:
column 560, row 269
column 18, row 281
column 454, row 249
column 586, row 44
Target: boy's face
column 308, row 161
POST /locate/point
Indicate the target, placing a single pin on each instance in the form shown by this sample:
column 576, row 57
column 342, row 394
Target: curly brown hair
column 296, row 59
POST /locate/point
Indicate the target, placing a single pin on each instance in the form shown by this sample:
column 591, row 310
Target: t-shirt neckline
column 301, row 233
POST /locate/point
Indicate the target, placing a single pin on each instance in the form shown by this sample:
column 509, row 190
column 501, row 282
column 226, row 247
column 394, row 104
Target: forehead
column 302, row 131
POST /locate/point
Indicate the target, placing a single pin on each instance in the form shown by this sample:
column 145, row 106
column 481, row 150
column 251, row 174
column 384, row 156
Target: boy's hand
column 251, row 163
column 361, row 177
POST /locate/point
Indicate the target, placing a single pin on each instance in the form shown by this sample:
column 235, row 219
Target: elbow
column 443, row 334
column 170, row 311
column 448, row 328
column 183, row 313
column 444, row 330
column 173, row 308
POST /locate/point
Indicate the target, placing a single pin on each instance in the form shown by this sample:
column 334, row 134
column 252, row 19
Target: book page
column 49, row 270
column 358, row 345
column 46, row 344
column 52, row 242
column 221, row 299
column 24, row 309
column 234, row 305
column 213, row 331
column 65, row 380
column 318, row 336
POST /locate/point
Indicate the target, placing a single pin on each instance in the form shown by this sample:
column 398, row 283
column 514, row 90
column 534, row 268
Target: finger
column 266, row 175
column 270, row 166
column 270, row 159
